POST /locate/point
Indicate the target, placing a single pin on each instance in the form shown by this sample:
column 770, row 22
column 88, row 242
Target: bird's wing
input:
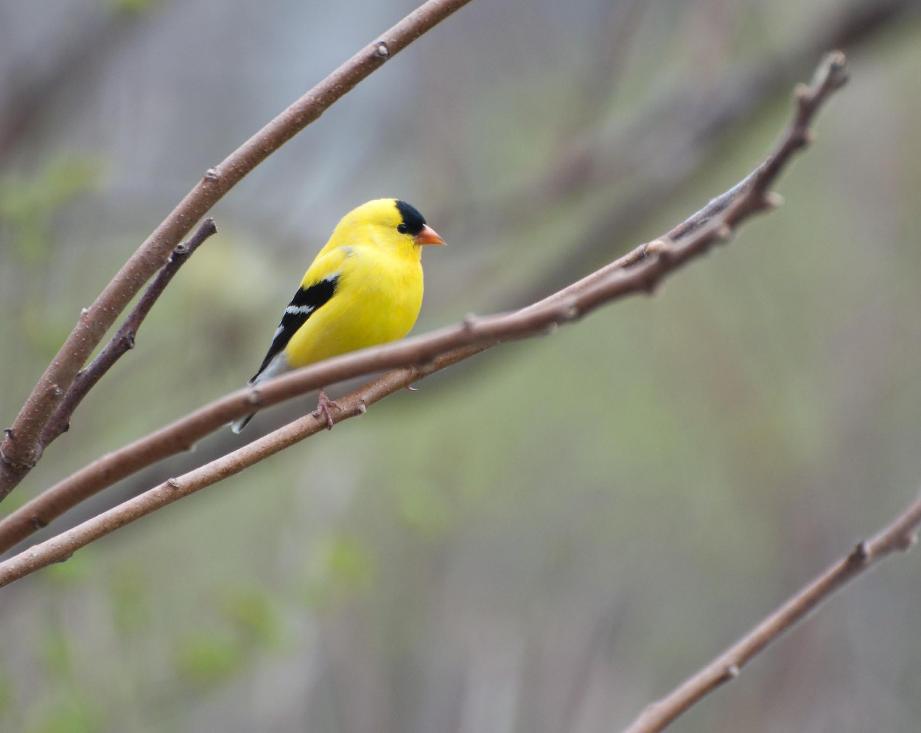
column 316, row 289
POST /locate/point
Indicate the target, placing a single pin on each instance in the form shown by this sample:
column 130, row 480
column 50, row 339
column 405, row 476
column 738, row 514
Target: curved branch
column 21, row 447
column 123, row 341
column 901, row 534
column 425, row 355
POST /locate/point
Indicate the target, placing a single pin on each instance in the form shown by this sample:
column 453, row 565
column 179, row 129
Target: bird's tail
column 237, row 425
column 278, row 365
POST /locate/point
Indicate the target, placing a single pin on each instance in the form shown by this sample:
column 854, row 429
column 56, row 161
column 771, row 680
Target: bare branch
column 21, row 448
column 418, row 357
column 901, row 534
column 123, row 340
column 687, row 128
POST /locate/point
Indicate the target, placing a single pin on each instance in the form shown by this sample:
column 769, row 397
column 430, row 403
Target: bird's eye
column 402, row 229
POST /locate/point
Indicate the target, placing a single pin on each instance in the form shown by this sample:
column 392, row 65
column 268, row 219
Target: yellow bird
column 363, row 288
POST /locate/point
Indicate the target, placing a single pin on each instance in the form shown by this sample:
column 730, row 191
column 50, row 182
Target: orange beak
column 428, row 236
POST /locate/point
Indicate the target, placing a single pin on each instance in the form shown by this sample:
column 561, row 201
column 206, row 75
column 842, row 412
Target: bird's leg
column 324, row 404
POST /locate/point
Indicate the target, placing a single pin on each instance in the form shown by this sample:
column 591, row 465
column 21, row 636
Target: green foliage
column 42, row 328
column 74, row 713
column 74, row 570
column 132, row 7
column 341, row 565
column 28, row 206
column 209, row 657
column 253, row 613
column 424, row 507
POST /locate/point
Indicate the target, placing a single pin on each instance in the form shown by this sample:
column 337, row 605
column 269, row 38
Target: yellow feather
column 374, row 257
column 379, row 289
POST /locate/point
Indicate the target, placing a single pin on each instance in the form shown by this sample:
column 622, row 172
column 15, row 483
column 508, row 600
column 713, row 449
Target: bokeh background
column 548, row 537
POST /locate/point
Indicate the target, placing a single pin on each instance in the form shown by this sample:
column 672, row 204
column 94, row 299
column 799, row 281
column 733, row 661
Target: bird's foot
column 324, row 409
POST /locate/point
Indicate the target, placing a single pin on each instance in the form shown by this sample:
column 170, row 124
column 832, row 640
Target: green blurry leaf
column 44, row 330
column 132, row 7
column 28, row 206
column 73, row 570
column 423, row 507
column 341, row 565
column 346, row 561
column 252, row 611
column 75, row 714
column 208, row 658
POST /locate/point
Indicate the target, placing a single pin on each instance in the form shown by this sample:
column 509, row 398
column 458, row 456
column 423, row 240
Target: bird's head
column 389, row 222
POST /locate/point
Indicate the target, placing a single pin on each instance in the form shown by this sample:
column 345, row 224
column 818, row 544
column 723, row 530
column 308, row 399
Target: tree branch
column 645, row 268
column 901, row 534
column 123, row 340
column 21, row 447
column 687, row 128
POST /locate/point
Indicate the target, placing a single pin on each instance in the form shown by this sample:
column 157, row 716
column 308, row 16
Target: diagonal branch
column 901, row 534
column 123, row 340
column 184, row 433
column 21, row 448
column 422, row 356
column 688, row 128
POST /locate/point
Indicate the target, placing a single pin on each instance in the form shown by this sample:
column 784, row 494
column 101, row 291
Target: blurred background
column 545, row 538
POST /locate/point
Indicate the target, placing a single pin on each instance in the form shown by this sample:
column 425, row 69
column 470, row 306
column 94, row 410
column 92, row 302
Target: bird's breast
column 377, row 300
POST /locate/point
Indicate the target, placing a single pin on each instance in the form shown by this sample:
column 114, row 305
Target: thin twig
column 124, row 338
column 687, row 128
column 422, row 356
column 21, row 449
column 901, row 534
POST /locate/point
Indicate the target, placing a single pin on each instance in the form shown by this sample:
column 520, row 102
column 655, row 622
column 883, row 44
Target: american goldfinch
column 363, row 288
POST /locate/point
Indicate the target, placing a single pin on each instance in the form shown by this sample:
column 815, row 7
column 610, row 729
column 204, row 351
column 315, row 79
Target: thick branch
column 21, row 449
column 419, row 357
column 123, row 340
column 901, row 534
